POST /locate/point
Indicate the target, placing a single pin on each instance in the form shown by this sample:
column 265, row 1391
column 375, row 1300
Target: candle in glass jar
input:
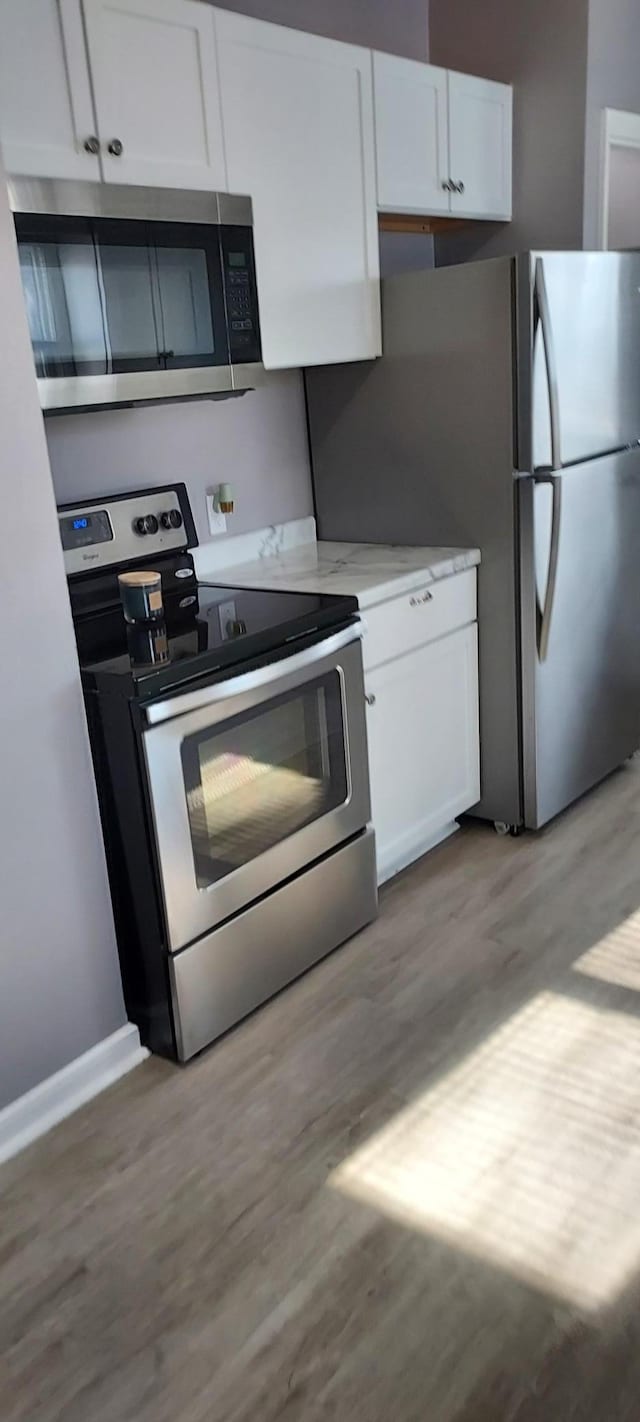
column 141, row 596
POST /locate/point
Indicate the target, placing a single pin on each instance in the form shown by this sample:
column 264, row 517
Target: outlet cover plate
column 217, row 521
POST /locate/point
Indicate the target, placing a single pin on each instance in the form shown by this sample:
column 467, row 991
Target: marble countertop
column 372, row 572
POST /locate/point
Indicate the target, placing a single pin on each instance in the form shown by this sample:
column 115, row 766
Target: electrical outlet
column 217, row 521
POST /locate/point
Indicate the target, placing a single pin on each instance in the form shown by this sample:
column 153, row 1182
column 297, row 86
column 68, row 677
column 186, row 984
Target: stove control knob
column 172, row 519
column 147, row 524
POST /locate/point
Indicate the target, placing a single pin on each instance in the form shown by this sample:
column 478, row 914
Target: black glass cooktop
column 206, row 628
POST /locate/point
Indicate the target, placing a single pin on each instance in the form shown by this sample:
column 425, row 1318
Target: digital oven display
column 83, row 530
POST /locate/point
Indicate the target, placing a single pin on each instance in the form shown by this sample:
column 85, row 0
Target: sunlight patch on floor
column 616, row 958
column 527, row 1154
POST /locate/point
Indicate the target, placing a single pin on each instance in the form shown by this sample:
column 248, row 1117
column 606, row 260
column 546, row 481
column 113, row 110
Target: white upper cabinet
column 155, row 82
column 46, row 111
column 298, row 128
column 412, row 155
column 480, row 124
column 443, row 141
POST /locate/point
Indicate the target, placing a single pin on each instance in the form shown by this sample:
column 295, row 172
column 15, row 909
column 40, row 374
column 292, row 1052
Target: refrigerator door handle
column 543, row 319
column 545, row 614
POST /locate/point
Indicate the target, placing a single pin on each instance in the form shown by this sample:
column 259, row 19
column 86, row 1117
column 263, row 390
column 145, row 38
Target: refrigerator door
column 580, row 628
column 584, row 307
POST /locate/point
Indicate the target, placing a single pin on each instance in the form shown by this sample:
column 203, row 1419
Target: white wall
column 257, row 443
column 613, row 81
column 60, row 990
column 400, row 26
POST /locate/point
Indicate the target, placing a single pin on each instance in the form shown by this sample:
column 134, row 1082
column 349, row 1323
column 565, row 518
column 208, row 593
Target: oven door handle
column 250, row 681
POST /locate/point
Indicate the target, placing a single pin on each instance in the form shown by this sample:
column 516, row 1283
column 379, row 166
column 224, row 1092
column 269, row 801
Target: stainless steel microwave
column 136, row 294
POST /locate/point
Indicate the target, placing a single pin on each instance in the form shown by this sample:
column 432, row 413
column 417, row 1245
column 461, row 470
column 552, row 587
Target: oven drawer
column 230, row 972
column 419, row 617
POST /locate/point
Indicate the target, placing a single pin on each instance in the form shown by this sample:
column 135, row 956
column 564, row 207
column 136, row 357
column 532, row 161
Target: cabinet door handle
column 370, row 698
column 92, row 144
column 115, row 148
column 421, row 598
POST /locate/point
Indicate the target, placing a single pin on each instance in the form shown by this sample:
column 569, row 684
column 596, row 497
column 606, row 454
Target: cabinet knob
column 447, row 186
column 458, row 187
column 115, row 147
column 370, row 698
column 92, row 144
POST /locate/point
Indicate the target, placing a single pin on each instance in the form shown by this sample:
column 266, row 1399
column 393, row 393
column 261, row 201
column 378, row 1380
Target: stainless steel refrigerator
column 505, row 413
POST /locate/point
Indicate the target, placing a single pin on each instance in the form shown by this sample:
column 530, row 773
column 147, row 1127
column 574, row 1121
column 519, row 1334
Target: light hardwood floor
column 407, row 1190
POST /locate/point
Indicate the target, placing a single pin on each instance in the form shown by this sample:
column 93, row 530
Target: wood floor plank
column 283, row 1230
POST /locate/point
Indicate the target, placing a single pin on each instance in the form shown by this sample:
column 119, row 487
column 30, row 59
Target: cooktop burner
column 205, row 629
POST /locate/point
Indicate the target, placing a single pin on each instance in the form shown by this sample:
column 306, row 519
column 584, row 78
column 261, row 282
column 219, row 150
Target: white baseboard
column 396, row 860
column 50, row 1101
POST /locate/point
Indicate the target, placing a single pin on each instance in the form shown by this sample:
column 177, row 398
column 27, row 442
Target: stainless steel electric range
column 229, row 746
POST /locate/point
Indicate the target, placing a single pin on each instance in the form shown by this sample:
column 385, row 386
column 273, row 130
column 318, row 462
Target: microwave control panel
column 241, row 294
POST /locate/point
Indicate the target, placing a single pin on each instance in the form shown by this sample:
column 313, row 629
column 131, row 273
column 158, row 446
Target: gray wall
column 60, row 979
column 613, row 81
column 257, row 443
column 405, row 252
column 541, row 47
column 400, row 26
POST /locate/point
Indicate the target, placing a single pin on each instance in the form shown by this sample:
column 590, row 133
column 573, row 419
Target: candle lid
column 138, row 579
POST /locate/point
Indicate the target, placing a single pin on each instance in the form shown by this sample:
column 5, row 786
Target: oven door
column 254, row 778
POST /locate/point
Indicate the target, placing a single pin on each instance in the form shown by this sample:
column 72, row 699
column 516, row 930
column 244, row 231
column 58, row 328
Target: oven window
column 253, row 781
column 110, row 296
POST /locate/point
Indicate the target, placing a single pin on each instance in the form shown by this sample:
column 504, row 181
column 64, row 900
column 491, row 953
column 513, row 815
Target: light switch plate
column 217, row 521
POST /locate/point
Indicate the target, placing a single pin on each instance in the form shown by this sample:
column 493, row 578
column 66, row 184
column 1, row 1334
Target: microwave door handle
column 235, row 686
column 156, row 304
column 102, row 295
column 543, row 319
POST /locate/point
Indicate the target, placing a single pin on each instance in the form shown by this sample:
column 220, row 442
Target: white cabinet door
column 412, row 150
column 480, row 123
column 298, row 126
column 155, row 81
column 424, row 753
column 46, row 111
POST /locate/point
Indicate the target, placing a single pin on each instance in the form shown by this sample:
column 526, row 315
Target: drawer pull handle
column 370, row 698
column 418, row 601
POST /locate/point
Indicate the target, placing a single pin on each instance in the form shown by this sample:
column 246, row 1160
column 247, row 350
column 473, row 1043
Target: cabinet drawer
column 419, row 617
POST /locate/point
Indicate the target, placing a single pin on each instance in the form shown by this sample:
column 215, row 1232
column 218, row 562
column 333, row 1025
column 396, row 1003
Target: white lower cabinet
column 424, row 749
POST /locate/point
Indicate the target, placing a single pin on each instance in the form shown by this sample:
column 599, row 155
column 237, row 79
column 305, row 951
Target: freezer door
column 580, row 610
column 579, row 327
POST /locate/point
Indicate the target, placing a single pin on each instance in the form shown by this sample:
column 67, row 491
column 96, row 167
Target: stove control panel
column 119, row 529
